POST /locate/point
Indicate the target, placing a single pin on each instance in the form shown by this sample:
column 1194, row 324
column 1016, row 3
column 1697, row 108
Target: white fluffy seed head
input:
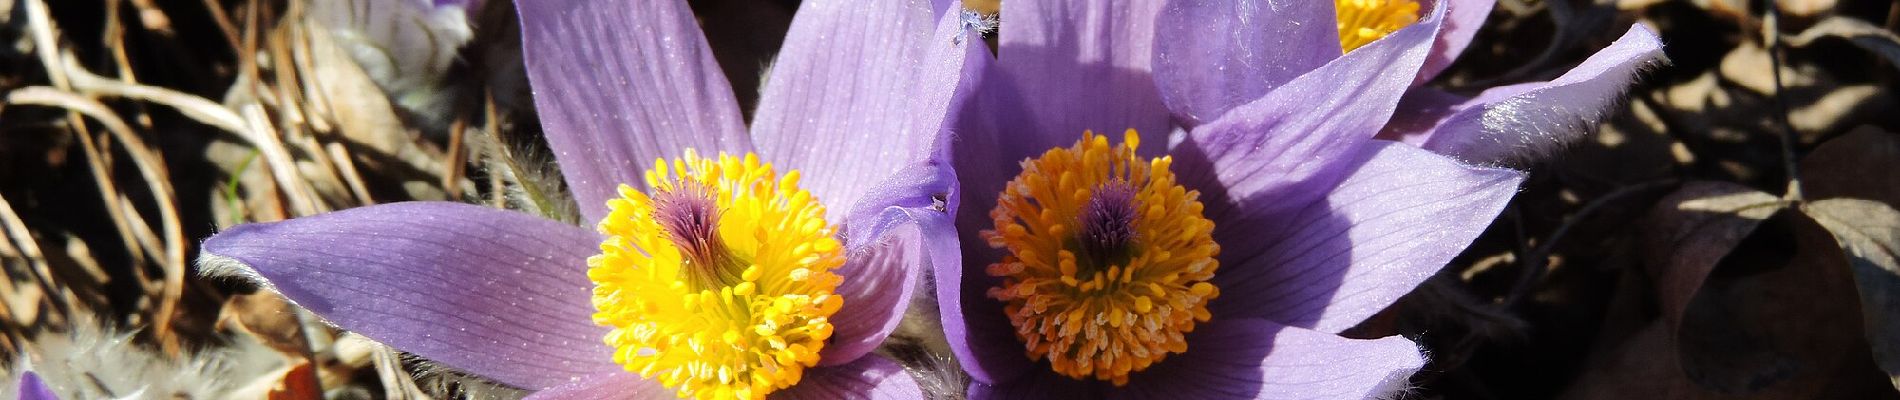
column 96, row 360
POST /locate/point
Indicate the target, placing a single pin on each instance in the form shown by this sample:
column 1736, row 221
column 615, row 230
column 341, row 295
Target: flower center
column 1108, row 224
column 717, row 284
column 1363, row 21
column 1108, row 260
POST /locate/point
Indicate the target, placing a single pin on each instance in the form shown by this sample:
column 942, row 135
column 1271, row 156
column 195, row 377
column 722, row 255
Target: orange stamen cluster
column 1109, row 259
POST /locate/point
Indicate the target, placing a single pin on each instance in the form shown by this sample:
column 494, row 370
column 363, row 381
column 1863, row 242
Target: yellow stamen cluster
column 1109, row 259
column 1363, row 21
column 718, row 283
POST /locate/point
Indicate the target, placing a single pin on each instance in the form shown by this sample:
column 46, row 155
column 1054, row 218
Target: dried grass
column 320, row 149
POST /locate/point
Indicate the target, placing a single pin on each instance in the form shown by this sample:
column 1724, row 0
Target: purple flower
column 1224, row 259
column 1213, row 56
column 32, row 388
column 750, row 289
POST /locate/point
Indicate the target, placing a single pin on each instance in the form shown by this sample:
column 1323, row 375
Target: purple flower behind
column 857, row 108
column 32, row 388
column 1271, row 136
column 1227, row 63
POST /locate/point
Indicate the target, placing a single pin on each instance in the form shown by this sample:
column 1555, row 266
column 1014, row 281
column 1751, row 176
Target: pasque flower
column 1211, row 56
column 717, row 262
column 1222, row 256
column 31, row 387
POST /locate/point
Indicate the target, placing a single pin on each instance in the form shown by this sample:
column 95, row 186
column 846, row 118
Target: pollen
column 718, row 283
column 1363, row 21
column 1109, row 259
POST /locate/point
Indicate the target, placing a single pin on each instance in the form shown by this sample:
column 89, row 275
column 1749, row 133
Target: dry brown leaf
column 1828, row 109
column 1857, row 178
column 269, row 318
column 1690, row 231
column 1805, row 8
column 361, row 111
column 1772, row 321
column 1748, row 65
column 1866, row 35
column 1864, row 164
column 367, row 119
column 1869, row 231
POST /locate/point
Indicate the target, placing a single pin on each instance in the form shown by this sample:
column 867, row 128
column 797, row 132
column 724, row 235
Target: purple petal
column 1044, row 384
column 979, row 333
column 991, row 141
column 611, row 385
column 1398, row 216
column 1290, row 140
column 870, row 378
column 862, row 89
column 1257, row 359
column 878, row 282
column 1463, row 18
column 471, row 5
column 1523, row 122
column 1071, row 65
column 862, row 117
column 497, row 293
column 1000, row 133
column 900, row 229
column 977, row 328
column 1214, row 55
column 989, row 144
column 1243, row 359
column 621, row 83
column 32, row 388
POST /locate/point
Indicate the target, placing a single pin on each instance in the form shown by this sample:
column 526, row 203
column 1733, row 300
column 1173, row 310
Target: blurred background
column 1730, row 232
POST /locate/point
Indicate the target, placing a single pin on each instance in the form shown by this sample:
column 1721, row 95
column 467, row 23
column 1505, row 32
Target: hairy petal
column 1258, row 359
column 863, row 89
column 1042, row 384
column 497, row 293
column 865, row 121
column 1519, row 123
column 1243, row 358
column 1463, row 18
column 610, row 385
column 1289, row 141
column 621, row 83
column 990, row 141
column 879, row 281
column 869, row 378
column 1396, row 218
column 1072, row 65
column 979, row 334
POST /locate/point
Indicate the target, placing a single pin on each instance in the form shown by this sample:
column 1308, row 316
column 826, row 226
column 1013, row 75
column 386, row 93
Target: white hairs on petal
column 1399, row 384
column 95, row 360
